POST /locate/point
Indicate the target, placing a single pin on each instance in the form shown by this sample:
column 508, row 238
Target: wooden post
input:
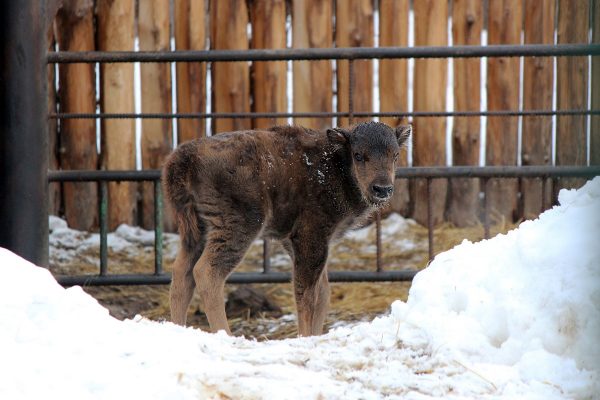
column 231, row 80
column 75, row 32
column 54, row 188
column 269, row 77
column 190, row 34
column 393, row 83
column 116, row 32
column 595, row 119
column 157, row 143
column 429, row 138
column 504, row 27
column 312, row 27
column 572, row 81
column 354, row 28
column 463, row 201
column 537, row 95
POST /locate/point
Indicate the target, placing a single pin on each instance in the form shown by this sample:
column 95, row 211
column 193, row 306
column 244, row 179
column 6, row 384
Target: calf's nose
column 383, row 192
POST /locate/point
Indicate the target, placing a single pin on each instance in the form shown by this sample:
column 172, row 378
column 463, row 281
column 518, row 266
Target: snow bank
column 516, row 316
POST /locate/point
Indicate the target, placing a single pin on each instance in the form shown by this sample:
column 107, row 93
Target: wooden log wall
column 504, row 27
column 262, row 87
column 538, row 76
column 572, row 81
column 157, row 137
column 430, row 77
column 312, row 27
column 190, row 34
column 77, row 82
column 393, row 95
column 463, row 199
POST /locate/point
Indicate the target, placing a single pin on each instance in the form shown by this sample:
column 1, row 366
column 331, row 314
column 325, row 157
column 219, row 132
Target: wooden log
column 116, row 32
column 463, row 200
column 430, row 78
column 354, row 28
column 504, row 27
column 231, row 80
column 190, row 34
column 268, row 77
column 54, row 188
column 572, row 89
column 312, row 27
column 77, row 94
column 538, row 76
column 393, row 83
column 156, row 139
column 595, row 119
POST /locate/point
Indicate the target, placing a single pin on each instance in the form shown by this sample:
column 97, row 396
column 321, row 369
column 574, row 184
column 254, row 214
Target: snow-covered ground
column 516, row 316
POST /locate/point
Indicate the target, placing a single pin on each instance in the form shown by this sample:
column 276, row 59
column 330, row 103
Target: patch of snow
column 516, row 316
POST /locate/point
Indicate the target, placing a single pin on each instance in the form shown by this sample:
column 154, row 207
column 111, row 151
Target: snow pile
column 516, row 316
column 66, row 243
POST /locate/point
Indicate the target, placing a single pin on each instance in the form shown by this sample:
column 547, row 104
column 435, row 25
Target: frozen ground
column 516, row 316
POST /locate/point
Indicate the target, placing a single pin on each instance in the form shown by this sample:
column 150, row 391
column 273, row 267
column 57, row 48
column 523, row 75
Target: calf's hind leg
column 182, row 282
column 223, row 252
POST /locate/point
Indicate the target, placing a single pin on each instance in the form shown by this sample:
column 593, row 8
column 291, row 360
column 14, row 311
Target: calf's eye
column 358, row 157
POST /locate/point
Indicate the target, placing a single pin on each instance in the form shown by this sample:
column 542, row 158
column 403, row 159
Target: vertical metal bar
column 543, row 200
column 24, row 130
column 158, row 228
column 103, row 212
column 266, row 256
column 378, row 240
column 429, row 219
column 350, row 91
column 486, row 210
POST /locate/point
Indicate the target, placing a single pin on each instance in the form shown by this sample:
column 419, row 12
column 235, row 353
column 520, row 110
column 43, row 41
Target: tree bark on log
column 430, row 78
column 156, row 140
column 190, row 34
column 115, row 33
column 312, row 28
column 538, row 77
column 77, row 94
column 268, row 77
column 504, row 27
column 463, row 200
column 393, row 84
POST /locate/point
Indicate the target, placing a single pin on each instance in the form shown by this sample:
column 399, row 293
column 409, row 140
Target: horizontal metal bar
column 103, row 175
column 236, row 278
column 339, row 53
column 531, row 171
column 405, row 172
column 322, row 114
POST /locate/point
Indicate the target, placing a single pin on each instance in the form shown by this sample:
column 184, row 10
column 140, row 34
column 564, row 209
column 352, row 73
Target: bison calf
column 292, row 184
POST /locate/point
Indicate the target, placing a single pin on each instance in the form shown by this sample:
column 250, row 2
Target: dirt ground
column 404, row 248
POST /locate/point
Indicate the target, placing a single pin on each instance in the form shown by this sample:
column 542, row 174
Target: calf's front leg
column 311, row 286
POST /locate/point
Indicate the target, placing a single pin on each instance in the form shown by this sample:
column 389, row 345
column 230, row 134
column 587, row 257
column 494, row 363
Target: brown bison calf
column 289, row 183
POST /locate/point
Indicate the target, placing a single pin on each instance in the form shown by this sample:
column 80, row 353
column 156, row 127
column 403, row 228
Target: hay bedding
column 404, row 244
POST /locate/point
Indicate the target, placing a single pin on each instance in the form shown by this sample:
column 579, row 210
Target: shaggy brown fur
column 289, row 183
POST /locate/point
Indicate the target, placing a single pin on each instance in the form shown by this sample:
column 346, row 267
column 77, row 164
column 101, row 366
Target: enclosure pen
column 429, row 174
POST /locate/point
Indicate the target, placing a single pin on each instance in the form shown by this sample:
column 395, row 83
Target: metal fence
column 379, row 272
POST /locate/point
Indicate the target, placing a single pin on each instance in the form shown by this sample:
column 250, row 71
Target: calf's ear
column 403, row 132
column 338, row 135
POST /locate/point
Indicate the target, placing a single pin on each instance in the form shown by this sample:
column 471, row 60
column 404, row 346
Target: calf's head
column 374, row 149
